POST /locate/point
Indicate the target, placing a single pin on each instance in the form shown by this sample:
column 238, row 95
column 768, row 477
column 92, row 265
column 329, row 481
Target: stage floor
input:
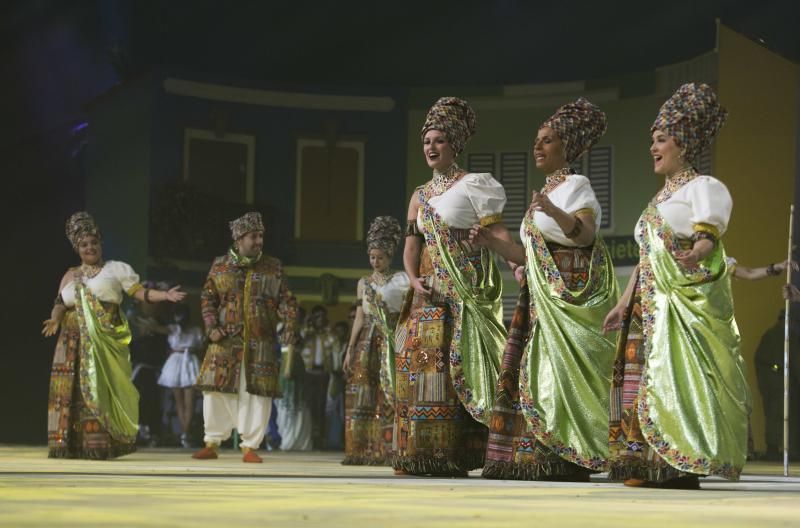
column 165, row 487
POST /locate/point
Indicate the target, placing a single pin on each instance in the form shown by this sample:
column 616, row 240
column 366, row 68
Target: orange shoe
column 251, row 456
column 207, row 453
column 635, row 483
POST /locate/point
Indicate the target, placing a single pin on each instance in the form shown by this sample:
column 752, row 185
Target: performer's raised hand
column 50, row 327
column 781, row 266
column 541, row 202
column 175, row 294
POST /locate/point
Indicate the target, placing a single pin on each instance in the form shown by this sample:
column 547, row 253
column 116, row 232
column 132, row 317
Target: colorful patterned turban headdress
column 245, row 224
column 384, row 234
column 79, row 225
column 454, row 118
column 692, row 117
column 580, row 125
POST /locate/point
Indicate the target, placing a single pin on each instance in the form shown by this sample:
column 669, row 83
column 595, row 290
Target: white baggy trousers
column 245, row 412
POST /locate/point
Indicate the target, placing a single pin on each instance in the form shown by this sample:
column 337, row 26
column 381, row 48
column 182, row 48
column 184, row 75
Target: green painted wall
column 634, row 181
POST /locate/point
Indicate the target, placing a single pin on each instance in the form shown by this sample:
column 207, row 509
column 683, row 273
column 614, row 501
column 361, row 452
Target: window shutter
column 598, row 170
column 481, row 162
column 514, row 177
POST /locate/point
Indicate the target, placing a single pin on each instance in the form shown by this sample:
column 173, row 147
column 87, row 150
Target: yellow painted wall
column 755, row 157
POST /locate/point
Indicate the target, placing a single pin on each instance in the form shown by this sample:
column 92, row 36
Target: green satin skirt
column 680, row 400
column 550, row 415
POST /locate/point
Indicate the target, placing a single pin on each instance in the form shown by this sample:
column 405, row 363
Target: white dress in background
column 182, row 367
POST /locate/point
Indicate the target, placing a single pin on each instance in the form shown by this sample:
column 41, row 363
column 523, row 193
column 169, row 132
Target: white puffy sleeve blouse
column 108, row 286
column 574, row 195
column 477, row 198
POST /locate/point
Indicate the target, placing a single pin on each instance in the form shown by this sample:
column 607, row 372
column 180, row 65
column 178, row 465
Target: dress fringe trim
column 563, row 470
column 439, row 467
column 356, row 460
column 92, row 454
column 624, row 470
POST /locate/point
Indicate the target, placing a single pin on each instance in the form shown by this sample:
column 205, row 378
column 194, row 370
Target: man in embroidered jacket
column 243, row 300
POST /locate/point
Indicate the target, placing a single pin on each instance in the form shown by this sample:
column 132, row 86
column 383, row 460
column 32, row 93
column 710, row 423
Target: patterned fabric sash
column 106, row 385
column 384, row 322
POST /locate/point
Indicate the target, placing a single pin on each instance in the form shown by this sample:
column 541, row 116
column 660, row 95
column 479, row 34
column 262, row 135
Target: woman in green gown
column 679, row 400
column 550, row 412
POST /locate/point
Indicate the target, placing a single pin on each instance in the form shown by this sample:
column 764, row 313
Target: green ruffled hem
column 92, row 454
column 362, row 460
column 549, row 471
column 456, row 466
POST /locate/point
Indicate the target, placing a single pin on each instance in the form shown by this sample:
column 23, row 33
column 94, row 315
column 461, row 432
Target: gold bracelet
column 703, row 235
column 575, row 230
column 412, row 229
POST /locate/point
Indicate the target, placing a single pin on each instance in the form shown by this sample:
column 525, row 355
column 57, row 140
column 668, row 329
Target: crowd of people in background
column 166, row 345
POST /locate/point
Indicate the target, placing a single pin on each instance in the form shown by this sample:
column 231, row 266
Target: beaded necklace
column 91, row 270
column 382, row 277
column 675, row 182
column 554, row 179
column 443, row 180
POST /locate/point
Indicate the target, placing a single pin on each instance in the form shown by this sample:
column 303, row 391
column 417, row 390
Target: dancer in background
column 369, row 362
column 180, row 371
column 294, row 417
column 318, row 350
